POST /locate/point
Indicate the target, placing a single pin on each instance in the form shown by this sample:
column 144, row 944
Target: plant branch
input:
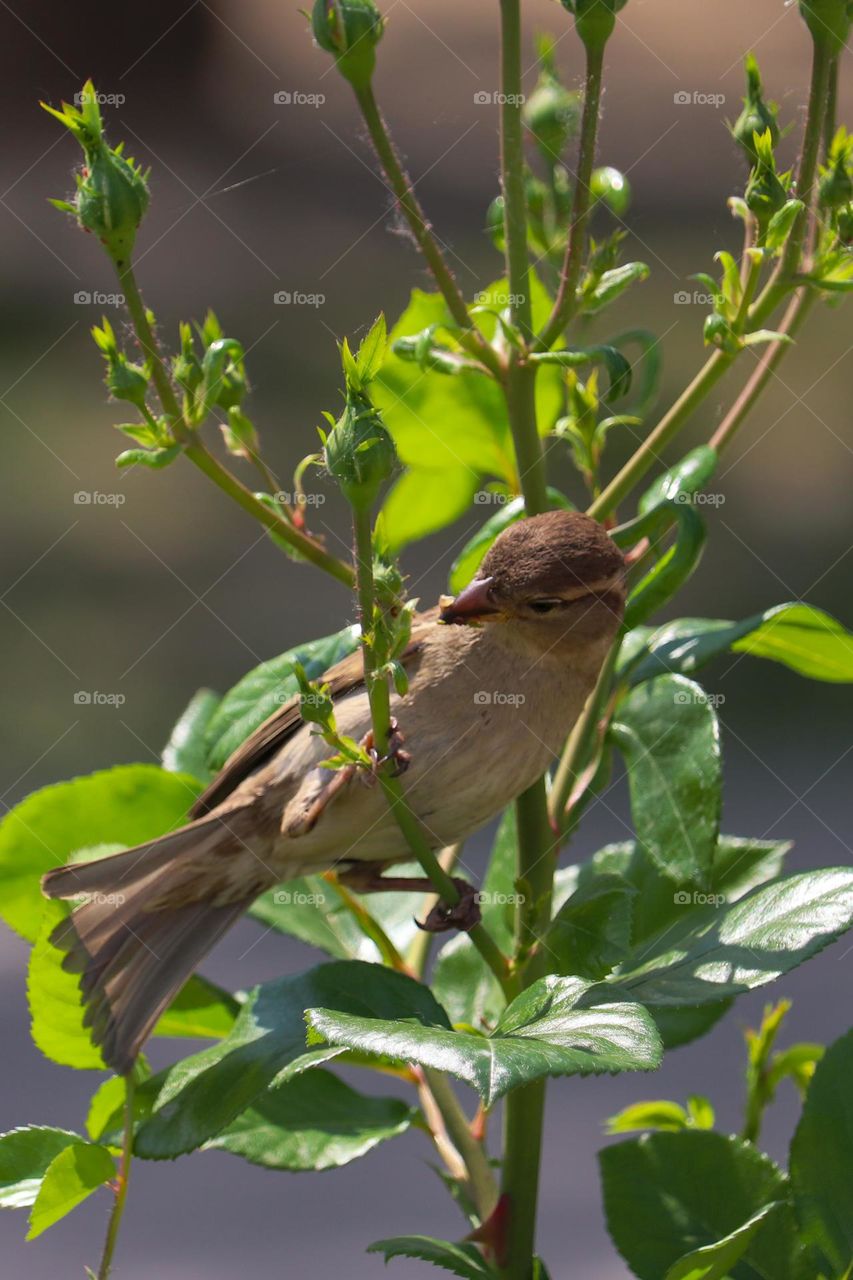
column 820, row 110
column 478, row 1170
column 194, row 449
column 421, row 229
column 419, row 948
column 380, row 708
column 121, row 1182
column 565, row 303
column 772, row 356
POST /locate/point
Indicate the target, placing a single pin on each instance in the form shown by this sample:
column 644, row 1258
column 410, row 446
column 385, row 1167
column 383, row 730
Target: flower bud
column 765, row 193
column 828, row 21
column 495, row 222
column 613, row 188
column 239, row 434
column 359, row 452
column 112, row 191
column 836, row 183
column 844, row 224
column 757, row 116
column 351, row 30
column 551, row 113
column 594, row 20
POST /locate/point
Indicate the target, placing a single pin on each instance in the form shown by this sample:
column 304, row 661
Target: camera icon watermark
column 94, row 498
column 700, row 499
column 696, row 98
column 499, row 299
column 486, row 899
column 86, row 298
column 498, row 698
column 84, row 96
column 293, row 298
column 693, row 697
column 695, row 298
column 487, row 98
column 295, row 98
column 94, row 698
column 694, row 898
column 485, row 498
column 298, row 898
column 300, row 499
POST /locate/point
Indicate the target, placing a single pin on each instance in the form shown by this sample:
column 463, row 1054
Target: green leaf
column 472, row 554
column 156, row 459
column 459, row 1259
column 315, row 1121
column 687, row 477
column 715, row 1261
column 451, row 433
column 677, row 563
column 612, row 285
column 201, row 1010
column 546, row 1031
column 69, row 1180
column 747, row 944
column 668, row 733
column 805, row 639
column 423, row 501
column 106, row 1108
column 668, row 1194
column 808, row 640
column 126, row 806
column 590, row 934
column 662, row 1116
column 186, row 750
column 265, row 688
column 194, row 1100
column 371, row 352
column 25, row 1156
column 822, row 1157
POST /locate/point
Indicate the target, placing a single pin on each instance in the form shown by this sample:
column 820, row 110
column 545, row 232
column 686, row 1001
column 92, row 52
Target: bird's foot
column 395, row 754
column 443, row 917
column 462, row 915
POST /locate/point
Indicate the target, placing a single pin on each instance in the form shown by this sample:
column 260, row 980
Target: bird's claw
column 394, row 755
column 462, row 915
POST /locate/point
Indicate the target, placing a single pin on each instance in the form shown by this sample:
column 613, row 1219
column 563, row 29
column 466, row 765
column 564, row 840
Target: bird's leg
column 462, row 915
column 395, row 754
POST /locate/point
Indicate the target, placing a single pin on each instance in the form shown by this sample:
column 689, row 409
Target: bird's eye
column 545, row 606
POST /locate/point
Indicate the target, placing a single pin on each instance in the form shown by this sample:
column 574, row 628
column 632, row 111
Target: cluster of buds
column 358, row 451
column 767, row 190
column 125, row 380
column 351, row 30
column 112, row 191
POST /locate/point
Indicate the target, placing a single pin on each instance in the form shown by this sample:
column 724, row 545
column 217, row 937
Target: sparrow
column 497, row 676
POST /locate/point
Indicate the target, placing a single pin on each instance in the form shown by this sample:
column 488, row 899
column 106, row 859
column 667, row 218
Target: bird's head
column 557, row 573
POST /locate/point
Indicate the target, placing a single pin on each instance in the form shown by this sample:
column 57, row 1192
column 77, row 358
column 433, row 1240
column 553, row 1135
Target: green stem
column 512, row 169
column 565, row 303
column 368, row 924
column 820, row 110
column 772, row 356
column 307, row 547
column 669, row 426
column 122, row 1182
column 421, row 229
column 481, row 1181
column 379, row 696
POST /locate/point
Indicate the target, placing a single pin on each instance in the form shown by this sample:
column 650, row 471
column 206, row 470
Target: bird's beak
column 470, row 605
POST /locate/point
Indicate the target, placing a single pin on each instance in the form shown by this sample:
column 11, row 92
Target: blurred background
column 162, row 586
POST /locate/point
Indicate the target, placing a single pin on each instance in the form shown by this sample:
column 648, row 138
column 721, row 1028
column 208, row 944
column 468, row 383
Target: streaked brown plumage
column 487, row 709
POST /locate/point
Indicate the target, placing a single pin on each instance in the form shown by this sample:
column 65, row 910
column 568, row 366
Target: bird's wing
column 346, row 676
